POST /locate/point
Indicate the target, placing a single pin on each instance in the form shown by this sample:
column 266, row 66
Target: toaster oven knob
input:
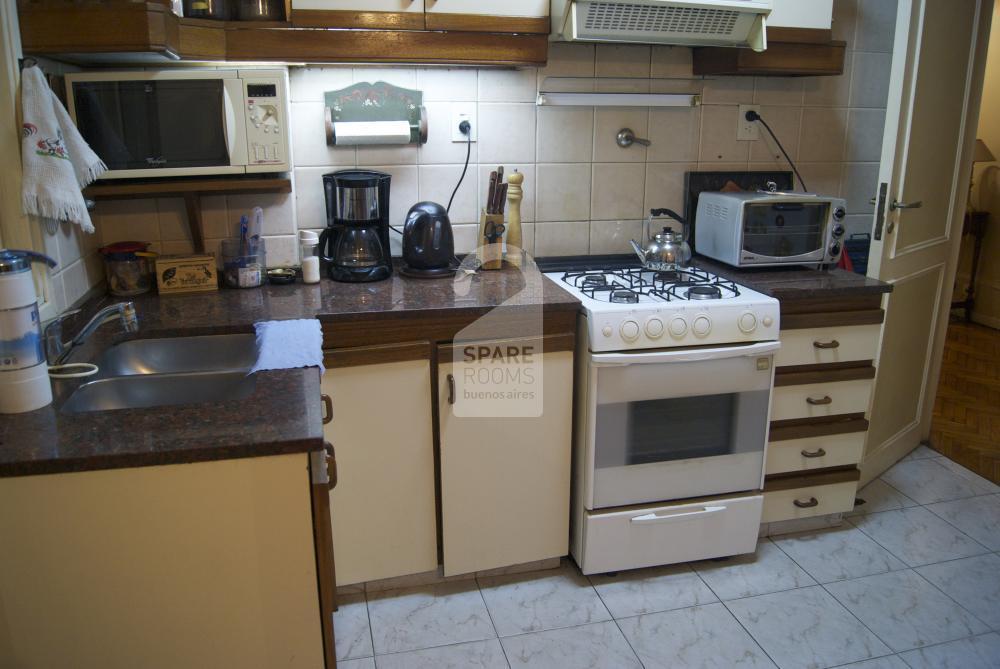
column 630, row 330
column 839, row 213
column 747, row 323
column 701, row 326
column 678, row 326
column 654, row 328
column 835, row 249
column 838, row 230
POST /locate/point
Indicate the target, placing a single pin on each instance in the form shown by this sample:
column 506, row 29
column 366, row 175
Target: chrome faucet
column 56, row 350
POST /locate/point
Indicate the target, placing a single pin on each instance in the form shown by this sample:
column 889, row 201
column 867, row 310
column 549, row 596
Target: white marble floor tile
column 838, row 554
column 473, row 655
column 427, row 616
column 904, row 610
column 880, row 496
column 767, row 570
column 928, row 481
column 362, row 663
column 981, row 484
column 886, row 662
column 979, row 517
column 350, row 624
column 699, row 637
column 921, row 452
column 916, row 536
column 972, row 582
column 538, row 601
column 596, row 646
column 633, row 593
column 806, row 629
column 980, row 652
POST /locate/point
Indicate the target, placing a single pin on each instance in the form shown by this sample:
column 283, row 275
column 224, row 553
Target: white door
column 934, row 92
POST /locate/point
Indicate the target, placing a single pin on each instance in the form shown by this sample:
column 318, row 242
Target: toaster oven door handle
column 650, row 518
column 695, row 355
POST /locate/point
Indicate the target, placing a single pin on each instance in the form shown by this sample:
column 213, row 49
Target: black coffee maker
column 355, row 244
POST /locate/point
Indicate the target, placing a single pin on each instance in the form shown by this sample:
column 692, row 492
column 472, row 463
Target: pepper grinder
column 514, row 196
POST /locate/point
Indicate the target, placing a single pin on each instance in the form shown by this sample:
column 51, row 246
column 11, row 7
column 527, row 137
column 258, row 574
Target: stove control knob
column 678, row 326
column 767, row 321
column 701, row 326
column 607, row 331
column 747, row 322
column 630, row 330
column 654, row 328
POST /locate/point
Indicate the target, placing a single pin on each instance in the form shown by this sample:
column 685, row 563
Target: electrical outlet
column 463, row 111
column 747, row 130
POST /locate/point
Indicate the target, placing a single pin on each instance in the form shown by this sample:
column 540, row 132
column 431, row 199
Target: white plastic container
column 24, row 374
column 308, row 254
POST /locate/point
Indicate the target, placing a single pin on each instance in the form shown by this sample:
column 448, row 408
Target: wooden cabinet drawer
column 814, row 400
column 818, row 346
column 808, row 501
column 833, row 450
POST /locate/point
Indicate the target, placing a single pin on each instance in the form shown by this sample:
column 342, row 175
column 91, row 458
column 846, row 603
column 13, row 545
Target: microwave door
column 116, row 120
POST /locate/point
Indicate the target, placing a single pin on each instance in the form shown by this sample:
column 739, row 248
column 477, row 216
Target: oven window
column 785, row 229
column 153, row 124
column 683, row 428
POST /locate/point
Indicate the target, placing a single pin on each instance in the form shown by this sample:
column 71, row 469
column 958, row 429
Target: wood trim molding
column 824, row 305
column 139, row 188
column 777, row 482
column 826, row 366
column 832, row 319
column 553, row 343
column 803, row 428
column 810, row 35
column 333, row 18
column 780, row 59
column 375, row 355
column 795, row 378
column 488, row 24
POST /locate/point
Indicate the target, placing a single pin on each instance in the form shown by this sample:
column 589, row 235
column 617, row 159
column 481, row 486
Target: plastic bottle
column 308, row 243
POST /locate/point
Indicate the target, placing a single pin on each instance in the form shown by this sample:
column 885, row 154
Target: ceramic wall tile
column 718, row 135
column 617, row 191
column 128, row 220
column 864, row 135
column 876, row 21
column 405, row 77
column 466, row 237
column 823, row 135
column 279, row 211
column 640, row 591
column 215, row 216
column 307, row 84
column 439, row 147
column 622, row 60
column 282, row 250
column 775, row 91
column 402, row 154
column 310, row 200
column 597, row 646
column 506, row 132
column 563, row 192
column 665, row 186
column 860, row 183
column 870, row 79
column 436, row 184
column 821, row 178
column 671, row 61
column 785, row 122
column 565, row 134
column 613, row 236
column 447, row 84
column 403, row 190
column 829, row 91
column 845, row 14
column 728, row 91
column 675, row 133
column 568, row 60
column 177, row 247
column 518, row 85
column 608, row 121
column 562, row 238
column 309, row 147
column 529, row 187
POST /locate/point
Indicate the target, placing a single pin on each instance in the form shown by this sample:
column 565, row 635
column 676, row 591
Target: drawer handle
column 833, row 343
column 688, row 515
column 331, row 465
column 451, row 389
column 806, row 505
column 826, row 399
column 327, row 408
column 818, row 453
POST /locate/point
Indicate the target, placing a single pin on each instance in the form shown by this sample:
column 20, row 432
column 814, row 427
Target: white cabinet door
column 382, row 509
column 532, row 8
column 505, row 481
column 815, row 14
column 361, row 5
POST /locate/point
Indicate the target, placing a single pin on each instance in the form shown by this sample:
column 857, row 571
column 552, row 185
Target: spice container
column 128, row 267
column 243, row 263
column 206, row 9
column 309, row 256
column 260, row 10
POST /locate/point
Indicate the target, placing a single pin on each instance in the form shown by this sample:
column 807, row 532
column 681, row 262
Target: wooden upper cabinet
column 371, row 14
column 515, row 16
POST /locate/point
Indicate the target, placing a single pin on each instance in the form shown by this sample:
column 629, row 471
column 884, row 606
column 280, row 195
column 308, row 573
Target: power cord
column 754, row 116
column 466, row 129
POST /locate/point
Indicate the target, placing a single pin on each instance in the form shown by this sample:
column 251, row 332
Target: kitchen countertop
column 798, row 283
column 281, row 416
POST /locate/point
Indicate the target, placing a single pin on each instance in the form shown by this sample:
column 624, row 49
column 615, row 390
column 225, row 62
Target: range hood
column 735, row 23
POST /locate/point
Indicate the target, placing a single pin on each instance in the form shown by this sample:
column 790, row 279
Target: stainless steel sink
column 179, row 354
column 153, row 390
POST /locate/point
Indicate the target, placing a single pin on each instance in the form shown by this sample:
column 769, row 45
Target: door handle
column 327, row 408
column 451, row 389
column 833, row 343
column 894, row 205
column 806, row 505
column 818, row 453
column 653, row 518
column 826, row 399
column 331, row 465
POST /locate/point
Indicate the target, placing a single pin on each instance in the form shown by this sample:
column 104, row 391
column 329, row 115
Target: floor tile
column 880, row 496
column 916, row 536
column 363, row 663
column 921, row 452
column 350, row 623
column 473, row 655
column 887, row 662
column 767, row 570
column 427, row 616
column 838, row 554
column 983, row 485
column 972, row 582
column 596, row 646
column 904, row 610
column 700, row 637
column 981, row 652
column 632, row 593
column 928, row 481
column 520, row 603
column 806, row 629
column 979, row 517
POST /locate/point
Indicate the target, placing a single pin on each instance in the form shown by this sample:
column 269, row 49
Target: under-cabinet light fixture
column 619, row 99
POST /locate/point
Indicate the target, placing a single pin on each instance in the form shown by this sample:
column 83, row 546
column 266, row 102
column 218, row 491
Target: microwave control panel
column 266, row 123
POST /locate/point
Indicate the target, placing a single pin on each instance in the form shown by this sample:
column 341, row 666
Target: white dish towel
column 289, row 344
column 55, row 160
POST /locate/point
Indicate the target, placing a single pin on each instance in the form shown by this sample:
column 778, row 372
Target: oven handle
column 684, row 355
column 653, row 518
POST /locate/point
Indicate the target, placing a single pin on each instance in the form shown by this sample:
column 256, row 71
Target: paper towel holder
column 375, row 113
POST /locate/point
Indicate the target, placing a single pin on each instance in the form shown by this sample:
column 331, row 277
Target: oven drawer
column 816, row 346
column 813, row 400
column 669, row 533
column 795, row 455
column 808, row 501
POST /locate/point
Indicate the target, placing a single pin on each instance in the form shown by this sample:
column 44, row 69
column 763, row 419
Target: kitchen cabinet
column 381, row 14
column 383, row 508
column 521, row 16
column 814, row 15
column 505, row 481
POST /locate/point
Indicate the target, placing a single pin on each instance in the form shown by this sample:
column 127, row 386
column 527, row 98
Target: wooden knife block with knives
column 491, row 221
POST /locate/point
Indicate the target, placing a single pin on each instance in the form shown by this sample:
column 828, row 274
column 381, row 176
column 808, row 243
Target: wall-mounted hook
column 626, row 138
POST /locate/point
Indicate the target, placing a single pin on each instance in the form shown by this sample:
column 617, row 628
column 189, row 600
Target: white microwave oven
column 754, row 229
column 183, row 122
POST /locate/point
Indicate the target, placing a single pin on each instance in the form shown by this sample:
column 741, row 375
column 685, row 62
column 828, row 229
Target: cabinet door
column 505, row 481
column 373, row 14
column 382, row 509
column 816, row 15
column 523, row 16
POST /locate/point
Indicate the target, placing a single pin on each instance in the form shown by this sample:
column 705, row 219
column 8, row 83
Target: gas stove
column 633, row 308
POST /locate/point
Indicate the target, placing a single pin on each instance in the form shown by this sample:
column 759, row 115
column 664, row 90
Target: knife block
column 490, row 255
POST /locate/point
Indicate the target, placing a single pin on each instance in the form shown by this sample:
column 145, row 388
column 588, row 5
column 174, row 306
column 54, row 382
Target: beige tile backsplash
column 583, row 193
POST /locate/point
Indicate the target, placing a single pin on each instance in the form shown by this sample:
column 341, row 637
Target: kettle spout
column 638, row 250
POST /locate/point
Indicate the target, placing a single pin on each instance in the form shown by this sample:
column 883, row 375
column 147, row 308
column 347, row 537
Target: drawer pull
column 806, row 505
column 833, row 343
column 818, row 453
column 451, row 389
column 826, row 399
column 331, row 465
column 327, row 408
column 653, row 518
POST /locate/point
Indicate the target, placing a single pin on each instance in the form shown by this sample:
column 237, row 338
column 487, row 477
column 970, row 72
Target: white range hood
column 734, row 23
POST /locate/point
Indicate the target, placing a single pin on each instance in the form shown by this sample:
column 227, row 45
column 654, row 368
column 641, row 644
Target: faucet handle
column 52, row 333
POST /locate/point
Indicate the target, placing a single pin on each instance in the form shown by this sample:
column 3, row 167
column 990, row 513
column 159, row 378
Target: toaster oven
column 761, row 229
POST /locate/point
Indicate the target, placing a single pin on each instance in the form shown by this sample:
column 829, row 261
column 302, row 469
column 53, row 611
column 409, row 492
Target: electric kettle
column 428, row 242
column 666, row 250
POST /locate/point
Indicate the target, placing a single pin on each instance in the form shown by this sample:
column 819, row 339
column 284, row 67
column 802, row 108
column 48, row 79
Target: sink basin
column 179, row 354
column 152, row 390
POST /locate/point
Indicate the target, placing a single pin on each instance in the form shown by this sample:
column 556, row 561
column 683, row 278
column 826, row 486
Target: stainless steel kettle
column 666, row 250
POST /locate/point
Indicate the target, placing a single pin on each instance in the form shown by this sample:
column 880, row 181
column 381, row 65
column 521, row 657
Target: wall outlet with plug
column 463, row 111
column 747, row 130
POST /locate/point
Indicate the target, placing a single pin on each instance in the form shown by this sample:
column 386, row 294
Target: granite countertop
column 283, row 415
column 798, row 283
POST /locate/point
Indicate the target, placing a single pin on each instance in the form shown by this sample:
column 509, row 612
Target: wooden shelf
column 790, row 52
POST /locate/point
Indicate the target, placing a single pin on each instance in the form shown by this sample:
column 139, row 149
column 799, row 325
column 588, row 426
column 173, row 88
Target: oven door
column 784, row 232
column 674, row 424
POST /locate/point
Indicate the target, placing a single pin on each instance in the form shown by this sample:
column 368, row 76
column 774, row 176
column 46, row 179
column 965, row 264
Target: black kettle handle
column 668, row 212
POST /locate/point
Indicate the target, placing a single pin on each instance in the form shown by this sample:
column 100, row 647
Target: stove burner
column 593, row 281
column 704, row 292
column 624, row 297
column 671, row 276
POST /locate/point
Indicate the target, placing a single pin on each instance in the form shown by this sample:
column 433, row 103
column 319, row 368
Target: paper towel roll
column 349, row 133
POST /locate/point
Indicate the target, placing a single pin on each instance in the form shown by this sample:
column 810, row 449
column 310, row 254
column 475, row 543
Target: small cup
column 243, row 264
